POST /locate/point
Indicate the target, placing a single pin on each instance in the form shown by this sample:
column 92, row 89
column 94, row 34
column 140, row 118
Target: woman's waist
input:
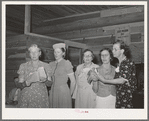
column 85, row 86
column 107, row 96
column 106, row 92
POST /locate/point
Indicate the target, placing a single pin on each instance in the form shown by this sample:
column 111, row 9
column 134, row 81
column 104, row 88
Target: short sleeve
column 69, row 67
column 21, row 70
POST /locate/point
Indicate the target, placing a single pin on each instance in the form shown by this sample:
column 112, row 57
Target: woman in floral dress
column 34, row 92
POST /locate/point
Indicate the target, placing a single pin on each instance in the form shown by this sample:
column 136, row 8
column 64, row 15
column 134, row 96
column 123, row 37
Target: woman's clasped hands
column 36, row 76
column 92, row 76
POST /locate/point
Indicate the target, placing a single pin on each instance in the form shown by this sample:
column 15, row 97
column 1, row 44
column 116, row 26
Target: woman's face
column 58, row 53
column 34, row 54
column 116, row 50
column 105, row 56
column 87, row 57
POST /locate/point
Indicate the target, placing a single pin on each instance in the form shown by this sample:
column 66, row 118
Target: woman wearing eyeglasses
column 84, row 95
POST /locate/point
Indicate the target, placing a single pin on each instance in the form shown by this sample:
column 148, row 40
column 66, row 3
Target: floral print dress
column 125, row 91
column 36, row 95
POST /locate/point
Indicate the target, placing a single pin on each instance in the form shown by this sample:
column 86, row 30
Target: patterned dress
column 84, row 95
column 60, row 96
column 35, row 96
column 125, row 91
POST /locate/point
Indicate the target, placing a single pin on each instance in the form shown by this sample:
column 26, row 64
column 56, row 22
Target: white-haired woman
column 60, row 94
column 33, row 77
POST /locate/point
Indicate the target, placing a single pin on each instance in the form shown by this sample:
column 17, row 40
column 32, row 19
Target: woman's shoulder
column 95, row 65
column 52, row 63
column 128, row 62
column 25, row 63
column 44, row 63
column 81, row 65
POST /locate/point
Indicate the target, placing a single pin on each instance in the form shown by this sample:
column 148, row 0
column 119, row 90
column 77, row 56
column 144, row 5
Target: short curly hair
column 126, row 48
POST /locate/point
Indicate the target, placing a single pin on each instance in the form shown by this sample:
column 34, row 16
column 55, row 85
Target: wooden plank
column 18, row 38
column 113, row 12
column 41, row 41
column 98, row 31
column 27, row 23
column 15, row 50
column 17, row 56
column 69, row 19
column 13, row 64
column 45, row 37
column 92, row 23
column 75, row 44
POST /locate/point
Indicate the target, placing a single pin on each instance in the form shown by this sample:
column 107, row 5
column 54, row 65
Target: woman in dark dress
column 125, row 72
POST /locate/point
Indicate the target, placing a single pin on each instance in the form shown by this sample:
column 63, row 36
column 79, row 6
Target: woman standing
column 106, row 93
column 125, row 72
column 60, row 94
column 34, row 91
column 84, row 95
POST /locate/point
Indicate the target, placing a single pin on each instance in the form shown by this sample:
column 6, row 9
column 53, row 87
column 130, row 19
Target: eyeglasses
column 87, row 56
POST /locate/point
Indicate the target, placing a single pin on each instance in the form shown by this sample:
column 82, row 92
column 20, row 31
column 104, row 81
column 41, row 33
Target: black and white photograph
column 74, row 60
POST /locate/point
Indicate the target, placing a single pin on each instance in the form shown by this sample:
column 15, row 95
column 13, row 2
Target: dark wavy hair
column 126, row 48
column 110, row 52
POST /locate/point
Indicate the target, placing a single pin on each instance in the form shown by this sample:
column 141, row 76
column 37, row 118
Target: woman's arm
column 73, row 82
column 95, row 86
column 99, row 77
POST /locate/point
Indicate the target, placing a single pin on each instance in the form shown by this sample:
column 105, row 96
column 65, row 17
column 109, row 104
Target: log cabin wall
column 17, row 53
column 97, row 29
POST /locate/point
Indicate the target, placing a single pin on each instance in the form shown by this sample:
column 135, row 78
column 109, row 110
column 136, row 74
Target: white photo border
column 15, row 113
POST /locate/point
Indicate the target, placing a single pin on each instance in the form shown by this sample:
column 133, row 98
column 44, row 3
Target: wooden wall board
column 17, row 38
column 92, row 23
column 15, row 50
column 13, row 64
column 136, row 27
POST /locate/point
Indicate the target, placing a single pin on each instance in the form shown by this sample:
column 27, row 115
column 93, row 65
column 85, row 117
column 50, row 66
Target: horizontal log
column 69, row 19
column 78, row 17
column 41, row 42
column 92, row 23
column 17, row 38
column 102, row 31
column 136, row 37
column 75, row 44
column 113, row 12
column 14, row 63
column 15, row 50
column 18, row 55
